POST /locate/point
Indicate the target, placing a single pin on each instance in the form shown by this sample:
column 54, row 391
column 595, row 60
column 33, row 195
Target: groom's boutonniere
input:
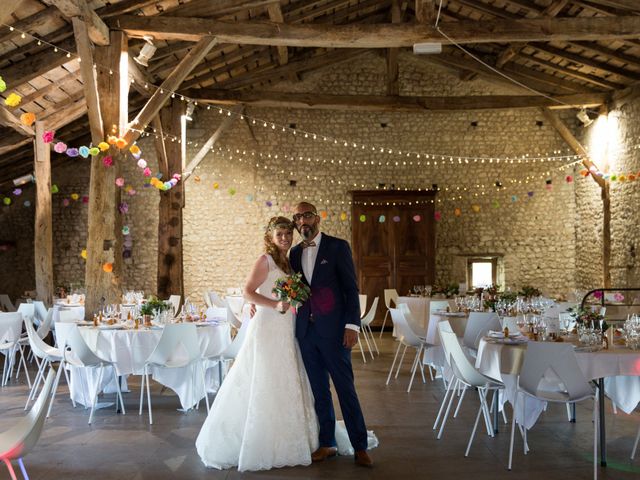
column 292, row 290
column 324, row 261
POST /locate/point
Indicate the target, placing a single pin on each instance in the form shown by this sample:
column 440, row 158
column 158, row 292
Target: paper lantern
column 530, row 194
column 249, row 198
column 268, row 203
column 107, row 267
column 28, row 118
column 123, row 208
column 13, row 100
column 85, row 199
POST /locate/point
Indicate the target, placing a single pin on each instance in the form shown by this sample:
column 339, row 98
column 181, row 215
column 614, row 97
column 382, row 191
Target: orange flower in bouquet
column 292, row 290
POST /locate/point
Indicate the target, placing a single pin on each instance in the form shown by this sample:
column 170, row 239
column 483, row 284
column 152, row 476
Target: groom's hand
column 350, row 338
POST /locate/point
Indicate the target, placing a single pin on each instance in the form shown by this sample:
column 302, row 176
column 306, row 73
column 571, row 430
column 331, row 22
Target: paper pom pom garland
column 60, row 147
column 13, row 100
column 47, row 136
column 3, row 85
column 28, row 118
column 107, row 267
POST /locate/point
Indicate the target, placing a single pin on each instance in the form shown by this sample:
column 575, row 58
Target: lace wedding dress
column 263, row 415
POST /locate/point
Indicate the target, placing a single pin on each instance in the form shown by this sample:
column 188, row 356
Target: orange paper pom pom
column 111, row 139
column 27, row 118
column 135, row 150
column 121, row 143
column 108, row 267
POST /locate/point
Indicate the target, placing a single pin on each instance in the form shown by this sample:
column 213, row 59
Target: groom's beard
column 308, row 232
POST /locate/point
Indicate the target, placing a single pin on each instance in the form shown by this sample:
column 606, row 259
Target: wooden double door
column 393, row 242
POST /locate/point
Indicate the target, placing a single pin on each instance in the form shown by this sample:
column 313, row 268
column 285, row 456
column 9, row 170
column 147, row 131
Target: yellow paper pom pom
column 216, row 185
column 13, row 100
column 135, row 149
column 103, row 146
column 83, row 253
column 343, row 216
column 75, row 196
column 27, row 118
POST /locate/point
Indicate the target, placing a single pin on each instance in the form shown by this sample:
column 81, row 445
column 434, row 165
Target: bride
column 263, row 415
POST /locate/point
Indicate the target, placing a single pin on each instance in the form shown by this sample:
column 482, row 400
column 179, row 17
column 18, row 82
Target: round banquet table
column 617, row 371
column 128, row 349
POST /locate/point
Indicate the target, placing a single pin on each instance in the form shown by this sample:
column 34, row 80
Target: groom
column 327, row 328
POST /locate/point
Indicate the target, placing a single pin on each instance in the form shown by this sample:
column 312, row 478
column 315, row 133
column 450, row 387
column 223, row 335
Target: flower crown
column 279, row 223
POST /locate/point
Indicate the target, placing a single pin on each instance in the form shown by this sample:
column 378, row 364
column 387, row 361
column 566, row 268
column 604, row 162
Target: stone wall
column 547, row 235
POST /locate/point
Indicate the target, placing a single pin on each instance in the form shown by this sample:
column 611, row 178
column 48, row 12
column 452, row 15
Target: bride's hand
column 282, row 306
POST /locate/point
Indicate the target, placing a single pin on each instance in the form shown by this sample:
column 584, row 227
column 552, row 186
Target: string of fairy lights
column 429, row 158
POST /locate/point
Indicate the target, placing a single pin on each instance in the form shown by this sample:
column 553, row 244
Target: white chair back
column 28, row 310
column 478, row 325
column 389, row 295
column 178, row 346
column 10, row 327
column 404, row 333
column 6, row 303
column 459, row 362
column 556, row 361
column 368, row 318
column 234, row 317
column 363, row 304
column 410, row 319
column 71, row 315
column 434, row 306
column 74, row 348
column 40, row 310
column 175, row 300
column 38, row 347
column 511, row 323
column 20, row 439
column 207, row 299
column 236, row 344
column 215, row 299
column 45, row 324
column 216, row 313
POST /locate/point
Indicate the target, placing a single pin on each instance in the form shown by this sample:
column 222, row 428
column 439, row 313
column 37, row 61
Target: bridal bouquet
column 292, row 290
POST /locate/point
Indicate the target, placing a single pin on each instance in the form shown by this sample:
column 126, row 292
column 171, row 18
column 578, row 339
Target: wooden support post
column 170, row 273
column 577, row 147
column 104, row 238
column 43, row 238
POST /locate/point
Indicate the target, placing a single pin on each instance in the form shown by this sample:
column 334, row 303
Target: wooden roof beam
column 27, row 24
column 8, row 119
column 426, row 11
column 98, row 31
column 275, row 15
column 377, row 103
column 381, row 35
column 171, row 83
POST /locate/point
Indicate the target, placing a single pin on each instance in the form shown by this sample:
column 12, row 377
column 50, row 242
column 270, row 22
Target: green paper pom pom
column 3, row 86
column 363, row 218
column 93, row 151
column 232, row 191
column 6, row 201
column 54, row 188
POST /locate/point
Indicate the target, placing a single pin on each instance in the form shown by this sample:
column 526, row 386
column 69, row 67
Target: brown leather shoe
column 323, row 453
column 363, row 459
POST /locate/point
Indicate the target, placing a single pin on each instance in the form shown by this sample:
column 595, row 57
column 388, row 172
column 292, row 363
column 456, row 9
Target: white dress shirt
column 309, row 255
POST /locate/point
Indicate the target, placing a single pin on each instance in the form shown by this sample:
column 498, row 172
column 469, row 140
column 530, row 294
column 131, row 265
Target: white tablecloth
column 620, row 367
column 129, row 349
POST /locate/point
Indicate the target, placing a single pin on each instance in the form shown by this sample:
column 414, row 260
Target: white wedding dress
column 263, row 415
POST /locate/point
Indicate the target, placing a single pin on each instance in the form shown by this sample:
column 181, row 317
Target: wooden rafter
column 172, row 82
column 211, row 141
column 27, row 24
column 393, row 72
column 426, row 11
column 375, row 103
column 275, row 15
column 98, row 31
column 381, row 35
column 41, row 92
column 10, row 120
column 216, row 8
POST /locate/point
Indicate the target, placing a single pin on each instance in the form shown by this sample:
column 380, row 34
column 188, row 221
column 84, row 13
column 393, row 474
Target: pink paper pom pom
column 142, row 163
column 107, row 161
column 47, row 136
column 147, row 172
column 120, row 182
column 60, row 147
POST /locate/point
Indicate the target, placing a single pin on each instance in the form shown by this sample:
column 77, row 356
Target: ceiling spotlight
column 190, row 108
column 147, row 51
column 583, row 116
column 427, row 48
column 29, row 178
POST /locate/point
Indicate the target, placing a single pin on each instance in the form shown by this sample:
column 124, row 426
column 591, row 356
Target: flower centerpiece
column 447, row 289
column 529, row 292
column 153, row 306
column 589, row 318
column 292, row 290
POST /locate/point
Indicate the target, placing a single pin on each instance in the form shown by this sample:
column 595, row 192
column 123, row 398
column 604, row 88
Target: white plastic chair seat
column 390, row 295
column 406, row 338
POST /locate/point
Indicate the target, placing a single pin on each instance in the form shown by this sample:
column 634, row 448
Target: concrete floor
column 126, row 447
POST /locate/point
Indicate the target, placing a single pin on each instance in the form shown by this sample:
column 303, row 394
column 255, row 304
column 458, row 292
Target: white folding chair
column 10, row 329
column 406, row 338
column 215, row 299
column 6, row 303
column 28, row 310
column 40, row 310
column 635, row 444
column 77, row 353
column 207, row 299
column 550, row 372
column 20, row 439
column 47, row 355
column 390, row 295
column 178, row 347
column 511, row 323
column 467, row 376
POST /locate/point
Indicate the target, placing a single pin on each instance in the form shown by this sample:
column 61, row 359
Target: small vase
column 147, row 320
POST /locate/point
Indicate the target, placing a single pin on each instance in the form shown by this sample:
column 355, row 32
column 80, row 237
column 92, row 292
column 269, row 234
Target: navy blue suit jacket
column 334, row 298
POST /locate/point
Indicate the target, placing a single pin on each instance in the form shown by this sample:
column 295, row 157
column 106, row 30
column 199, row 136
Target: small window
column 481, row 272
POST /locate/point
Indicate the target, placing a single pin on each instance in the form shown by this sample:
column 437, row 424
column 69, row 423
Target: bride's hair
column 270, row 247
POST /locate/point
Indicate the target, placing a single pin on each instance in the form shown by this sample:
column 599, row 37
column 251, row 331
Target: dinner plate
column 111, row 327
column 507, row 341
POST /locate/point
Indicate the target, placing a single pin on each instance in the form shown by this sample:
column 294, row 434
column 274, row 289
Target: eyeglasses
column 306, row 215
